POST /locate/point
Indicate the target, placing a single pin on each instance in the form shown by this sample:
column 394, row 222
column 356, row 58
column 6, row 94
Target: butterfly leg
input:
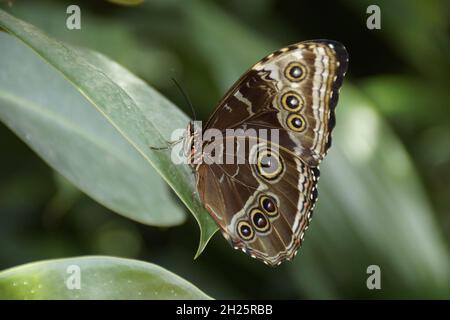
column 169, row 144
column 159, row 148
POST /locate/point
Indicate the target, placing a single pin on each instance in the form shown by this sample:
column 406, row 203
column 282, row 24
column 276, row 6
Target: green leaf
column 141, row 116
column 60, row 125
column 102, row 278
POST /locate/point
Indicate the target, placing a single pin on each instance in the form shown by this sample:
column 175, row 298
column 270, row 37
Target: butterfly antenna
column 186, row 97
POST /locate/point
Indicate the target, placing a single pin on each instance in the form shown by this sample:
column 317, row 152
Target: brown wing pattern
column 294, row 90
column 260, row 98
column 234, row 193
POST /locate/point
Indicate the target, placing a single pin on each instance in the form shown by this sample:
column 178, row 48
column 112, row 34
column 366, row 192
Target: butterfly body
column 261, row 189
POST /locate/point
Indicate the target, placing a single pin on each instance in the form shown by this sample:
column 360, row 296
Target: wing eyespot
column 259, row 220
column 245, row 230
column 269, row 164
column 295, row 72
column 292, row 101
column 296, row 122
column 269, row 205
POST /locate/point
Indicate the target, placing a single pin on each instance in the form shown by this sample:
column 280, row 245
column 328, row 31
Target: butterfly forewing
column 264, row 96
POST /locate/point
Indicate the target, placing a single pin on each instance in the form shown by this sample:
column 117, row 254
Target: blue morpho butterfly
column 263, row 204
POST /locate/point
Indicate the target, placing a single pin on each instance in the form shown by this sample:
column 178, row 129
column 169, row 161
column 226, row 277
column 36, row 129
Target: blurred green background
column 386, row 201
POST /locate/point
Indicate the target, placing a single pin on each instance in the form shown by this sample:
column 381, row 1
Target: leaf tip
column 205, row 237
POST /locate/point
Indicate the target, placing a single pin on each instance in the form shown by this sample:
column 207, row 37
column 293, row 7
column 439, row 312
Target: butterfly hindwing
column 275, row 206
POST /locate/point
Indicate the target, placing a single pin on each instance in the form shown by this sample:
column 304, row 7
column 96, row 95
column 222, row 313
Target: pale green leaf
column 94, row 278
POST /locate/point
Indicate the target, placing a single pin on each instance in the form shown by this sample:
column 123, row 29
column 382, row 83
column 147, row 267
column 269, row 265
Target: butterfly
column 263, row 199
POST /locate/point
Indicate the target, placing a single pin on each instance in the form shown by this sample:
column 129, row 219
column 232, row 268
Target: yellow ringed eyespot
column 296, row 122
column 295, row 71
column 292, row 101
column 269, row 164
column 268, row 204
column 259, row 220
column 244, row 230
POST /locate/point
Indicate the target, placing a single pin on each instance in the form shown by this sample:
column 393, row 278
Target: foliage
column 101, row 278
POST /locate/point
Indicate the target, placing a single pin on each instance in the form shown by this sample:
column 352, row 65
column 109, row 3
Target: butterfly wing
column 295, row 90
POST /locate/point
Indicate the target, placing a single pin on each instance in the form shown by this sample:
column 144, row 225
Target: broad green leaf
column 57, row 122
column 138, row 113
column 100, row 278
